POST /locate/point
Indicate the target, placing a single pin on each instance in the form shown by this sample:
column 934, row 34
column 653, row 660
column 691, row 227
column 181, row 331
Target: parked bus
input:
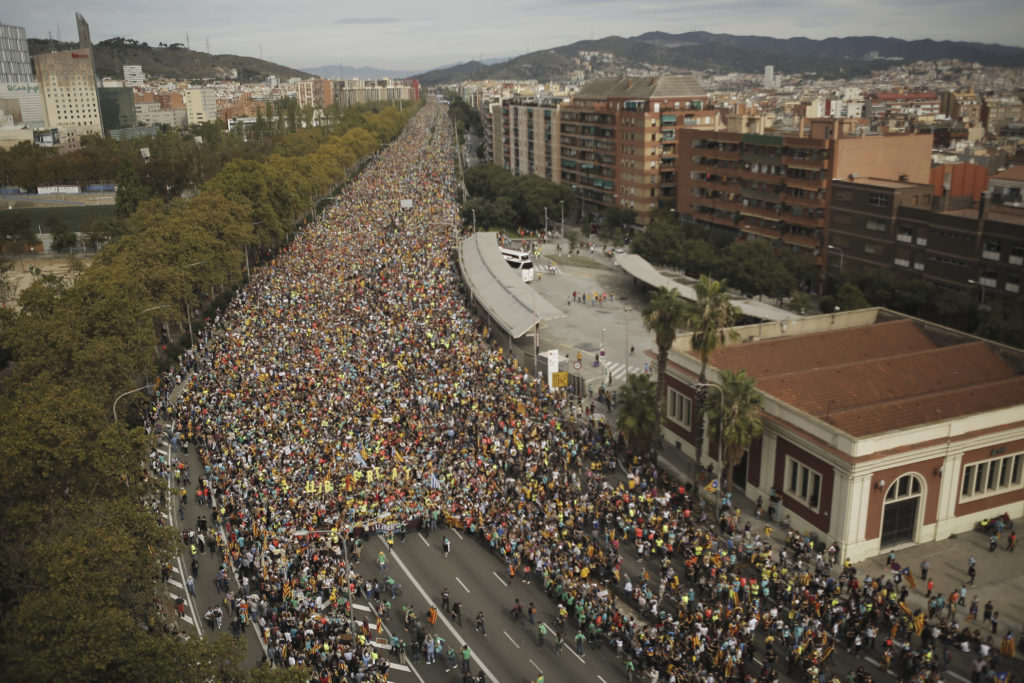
column 520, row 260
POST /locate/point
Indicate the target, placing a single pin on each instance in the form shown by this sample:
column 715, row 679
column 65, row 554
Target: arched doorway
column 899, row 520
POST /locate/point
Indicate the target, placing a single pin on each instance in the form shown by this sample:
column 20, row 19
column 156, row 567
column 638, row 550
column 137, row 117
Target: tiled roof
column 877, row 378
column 1012, row 173
column 822, row 349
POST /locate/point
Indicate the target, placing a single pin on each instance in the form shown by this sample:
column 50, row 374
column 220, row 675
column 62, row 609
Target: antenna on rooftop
column 188, row 43
column 208, row 45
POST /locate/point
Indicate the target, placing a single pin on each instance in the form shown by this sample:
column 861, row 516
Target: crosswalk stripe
column 176, row 584
column 188, row 619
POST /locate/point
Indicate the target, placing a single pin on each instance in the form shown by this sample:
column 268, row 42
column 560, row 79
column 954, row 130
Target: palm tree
column 664, row 316
column 739, row 424
column 638, row 414
column 708, row 318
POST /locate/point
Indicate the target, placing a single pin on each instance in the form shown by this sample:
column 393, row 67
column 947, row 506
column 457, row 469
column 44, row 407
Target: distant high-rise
column 133, row 76
column 15, row 63
column 769, row 77
column 67, row 82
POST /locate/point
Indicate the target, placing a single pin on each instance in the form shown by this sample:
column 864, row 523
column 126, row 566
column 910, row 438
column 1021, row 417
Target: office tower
column 769, row 77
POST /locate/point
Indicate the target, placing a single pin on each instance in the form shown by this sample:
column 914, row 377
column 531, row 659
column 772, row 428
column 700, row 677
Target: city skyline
column 411, row 36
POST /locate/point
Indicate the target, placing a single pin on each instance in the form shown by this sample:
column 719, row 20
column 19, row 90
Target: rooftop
column 882, row 376
column 1012, row 173
column 641, row 88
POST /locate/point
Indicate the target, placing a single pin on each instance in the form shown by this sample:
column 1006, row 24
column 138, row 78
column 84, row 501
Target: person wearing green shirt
column 542, row 631
column 630, row 668
column 466, row 655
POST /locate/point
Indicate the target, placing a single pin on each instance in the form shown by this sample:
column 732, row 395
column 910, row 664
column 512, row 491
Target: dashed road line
column 462, row 584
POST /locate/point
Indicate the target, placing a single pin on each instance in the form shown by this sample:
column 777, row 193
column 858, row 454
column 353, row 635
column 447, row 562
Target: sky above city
column 417, row 35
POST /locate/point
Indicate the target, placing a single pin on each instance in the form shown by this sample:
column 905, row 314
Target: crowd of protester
column 348, row 389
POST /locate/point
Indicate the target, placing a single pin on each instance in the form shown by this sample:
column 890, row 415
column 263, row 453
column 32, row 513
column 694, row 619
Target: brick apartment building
column 618, row 140
column 778, row 187
column 888, row 225
column 530, row 137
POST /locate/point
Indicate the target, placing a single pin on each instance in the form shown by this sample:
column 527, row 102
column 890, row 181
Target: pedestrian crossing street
column 618, row 370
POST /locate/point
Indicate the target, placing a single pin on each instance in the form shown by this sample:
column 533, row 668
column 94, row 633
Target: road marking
column 175, row 583
column 535, row 666
column 425, row 541
column 500, row 579
column 601, row 679
column 189, row 601
column 511, row 640
column 442, row 618
column 456, row 532
column 462, row 584
column 361, row 607
column 873, row 662
column 566, row 645
column 188, row 619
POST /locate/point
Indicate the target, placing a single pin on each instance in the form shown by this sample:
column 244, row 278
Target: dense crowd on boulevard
column 348, row 387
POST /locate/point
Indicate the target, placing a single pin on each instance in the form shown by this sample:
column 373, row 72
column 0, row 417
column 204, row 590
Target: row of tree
column 79, row 553
column 503, row 201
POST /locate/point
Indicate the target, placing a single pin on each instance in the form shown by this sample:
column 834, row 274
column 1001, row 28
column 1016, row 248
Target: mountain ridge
column 724, row 53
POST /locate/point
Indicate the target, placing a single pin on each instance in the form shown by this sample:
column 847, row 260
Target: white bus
column 520, row 260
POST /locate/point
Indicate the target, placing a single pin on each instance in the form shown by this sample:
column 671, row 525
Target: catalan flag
column 712, row 486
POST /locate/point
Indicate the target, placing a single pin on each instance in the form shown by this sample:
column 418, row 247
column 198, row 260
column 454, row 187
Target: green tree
column 740, row 423
column 849, row 298
column 62, row 237
column 638, row 414
column 129, row 190
column 665, row 316
column 709, row 319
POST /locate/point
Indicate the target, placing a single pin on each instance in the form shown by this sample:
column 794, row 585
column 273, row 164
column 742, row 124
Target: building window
column 875, row 226
column 876, row 199
column 843, row 196
column 680, row 409
column 803, row 483
column 992, row 476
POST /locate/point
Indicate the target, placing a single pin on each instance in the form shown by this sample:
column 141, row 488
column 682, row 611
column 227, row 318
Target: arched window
column 906, row 486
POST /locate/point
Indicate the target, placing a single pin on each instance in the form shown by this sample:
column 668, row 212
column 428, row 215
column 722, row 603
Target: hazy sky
column 419, row 35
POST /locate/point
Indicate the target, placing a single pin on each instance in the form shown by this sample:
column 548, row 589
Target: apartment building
column 618, row 140
column 133, row 76
column 316, row 93
column 997, row 111
column 887, row 225
column 777, row 187
column 200, row 105
column 962, row 105
column 531, row 140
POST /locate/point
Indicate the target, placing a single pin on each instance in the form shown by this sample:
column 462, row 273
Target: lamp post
column 545, row 221
column 721, row 413
column 840, row 250
column 188, row 310
column 142, row 388
column 561, row 205
column 474, row 220
column 627, row 309
column 980, row 284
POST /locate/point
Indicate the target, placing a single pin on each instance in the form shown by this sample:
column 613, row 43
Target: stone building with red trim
column 880, row 430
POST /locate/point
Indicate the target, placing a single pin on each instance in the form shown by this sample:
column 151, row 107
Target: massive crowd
column 349, row 386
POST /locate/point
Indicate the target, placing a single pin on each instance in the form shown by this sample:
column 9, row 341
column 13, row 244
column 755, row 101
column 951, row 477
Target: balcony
column 761, row 212
column 754, row 158
column 905, row 238
column 805, row 221
column 765, row 195
column 727, row 155
column 806, row 183
column 760, row 231
column 798, row 162
column 990, row 255
column 802, row 241
column 809, row 202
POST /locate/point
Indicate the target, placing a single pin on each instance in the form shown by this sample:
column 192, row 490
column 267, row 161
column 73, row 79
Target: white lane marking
column 456, row 532
column 175, row 583
column 601, row 679
column 535, row 666
column 500, row 579
column 442, row 618
column 425, row 541
column 188, row 619
column 566, row 645
column 462, row 584
column 511, row 640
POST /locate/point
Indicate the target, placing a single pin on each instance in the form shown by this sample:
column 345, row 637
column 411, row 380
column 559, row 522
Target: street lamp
column 188, row 311
column 561, row 205
column 721, row 413
column 545, row 221
column 142, row 388
column 840, row 250
column 980, row 284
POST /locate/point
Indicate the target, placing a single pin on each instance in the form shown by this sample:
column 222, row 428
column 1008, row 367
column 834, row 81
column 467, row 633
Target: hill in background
column 724, row 53
column 172, row 61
